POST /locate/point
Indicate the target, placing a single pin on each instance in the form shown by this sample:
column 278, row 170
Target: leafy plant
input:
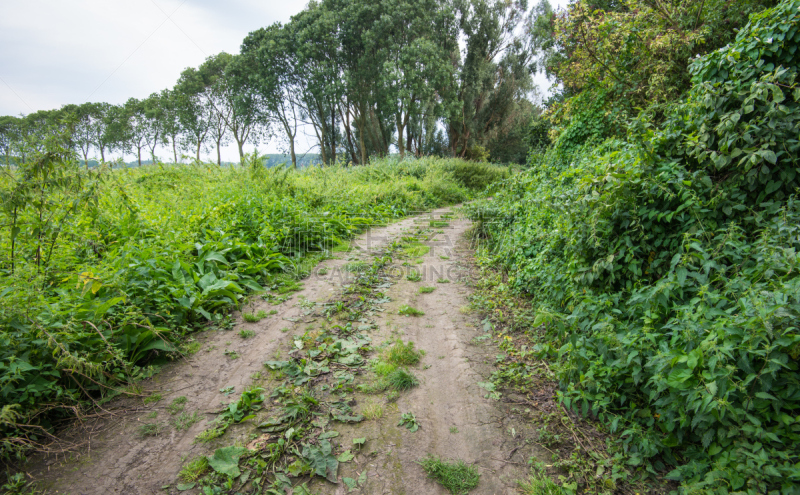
column 414, row 276
column 409, row 421
column 426, row 290
column 246, row 334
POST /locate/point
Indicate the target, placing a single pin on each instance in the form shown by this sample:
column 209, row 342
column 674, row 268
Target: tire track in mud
column 457, row 421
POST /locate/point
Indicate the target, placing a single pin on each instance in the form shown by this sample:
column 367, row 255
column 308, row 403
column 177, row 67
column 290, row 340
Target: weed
column 150, row 429
column 177, row 405
column 253, row 317
column 403, row 354
column 226, row 391
column 401, row 380
column 416, row 250
column 465, row 310
column 323, row 271
column 285, row 329
column 382, row 368
column 246, row 334
column 372, row 410
column 191, row 347
column 442, row 281
column 152, row 415
column 437, row 224
column 442, row 257
column 152, row 399
column 426, row 290
column 356, row 267
column 185, row 420
column 194, row 469
column 392, row 395
column 539, row 484
column 414, row 276
column 409, row 421
column 209, row 434
column 231, row 354
column 453, row 429
column 457, row 477
column 409, row 311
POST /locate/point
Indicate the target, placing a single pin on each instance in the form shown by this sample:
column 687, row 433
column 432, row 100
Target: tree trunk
column 219, row 156
column 400, row 137
column 291, row 151
column 174, row 150
column 198, row 151
column 85, row 159
column 241, row 149
column 103, row 154
column 139, row 154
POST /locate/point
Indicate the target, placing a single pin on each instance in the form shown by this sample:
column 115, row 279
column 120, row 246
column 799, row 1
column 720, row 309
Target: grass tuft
column 177, row 405
column 194, row 469
column 426, row 290
column 409, row 311
column 401, row 380
column 403, row 354
column 150, row 429
column 540, row 485
column 457, row 477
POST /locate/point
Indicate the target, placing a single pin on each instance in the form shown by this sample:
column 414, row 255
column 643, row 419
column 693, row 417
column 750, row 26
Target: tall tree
column 245, row 121
column 138, row 127
column 193, row 107
column 153, row 129
column 276, row 77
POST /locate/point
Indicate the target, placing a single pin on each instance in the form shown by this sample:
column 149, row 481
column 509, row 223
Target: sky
column 56, row 52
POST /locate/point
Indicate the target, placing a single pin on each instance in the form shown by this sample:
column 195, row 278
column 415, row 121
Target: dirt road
column 456, row 420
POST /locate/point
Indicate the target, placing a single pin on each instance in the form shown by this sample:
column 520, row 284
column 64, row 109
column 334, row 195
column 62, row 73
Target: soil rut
column 456, row 420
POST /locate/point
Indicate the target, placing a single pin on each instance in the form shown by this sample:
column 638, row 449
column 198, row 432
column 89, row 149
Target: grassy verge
column 109, row 274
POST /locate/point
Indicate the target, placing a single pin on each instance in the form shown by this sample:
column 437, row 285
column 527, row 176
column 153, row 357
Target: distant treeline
column 429, row 77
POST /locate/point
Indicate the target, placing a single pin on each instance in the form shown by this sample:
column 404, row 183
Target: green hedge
column 665, row 270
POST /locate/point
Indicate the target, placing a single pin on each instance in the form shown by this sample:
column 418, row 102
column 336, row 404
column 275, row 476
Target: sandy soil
column 457, row 420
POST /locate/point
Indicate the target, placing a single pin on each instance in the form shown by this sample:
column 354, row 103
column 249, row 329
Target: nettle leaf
column 226, row 460
column 321, row 461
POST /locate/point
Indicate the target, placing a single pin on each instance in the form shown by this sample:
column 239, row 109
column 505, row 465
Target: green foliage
column 426, row 290
column 401, row 380
column 409, row 421
column 407, row 310
column 663, row 270
column 124, row 264
column 458, row 477
column 403, row 354
column 194, row 469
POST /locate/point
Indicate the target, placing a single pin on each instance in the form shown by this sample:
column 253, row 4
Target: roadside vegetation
column 106, row 273
column 648, row 263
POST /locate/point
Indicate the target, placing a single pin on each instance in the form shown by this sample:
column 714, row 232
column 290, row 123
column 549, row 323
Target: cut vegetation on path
column 340, row 387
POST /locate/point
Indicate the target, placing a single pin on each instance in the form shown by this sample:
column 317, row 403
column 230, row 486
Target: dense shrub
column 664, row 268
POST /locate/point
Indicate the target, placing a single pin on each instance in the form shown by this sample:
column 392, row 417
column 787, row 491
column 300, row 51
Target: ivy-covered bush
column 664, row 268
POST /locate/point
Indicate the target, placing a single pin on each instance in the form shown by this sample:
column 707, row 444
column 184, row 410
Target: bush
column 664, row 270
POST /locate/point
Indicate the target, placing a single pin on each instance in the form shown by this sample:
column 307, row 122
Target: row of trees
column 418, row 76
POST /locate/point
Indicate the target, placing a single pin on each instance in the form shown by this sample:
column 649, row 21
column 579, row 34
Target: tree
column 170, row 120
column 495, row 73
column 153, row 129
column 275, row 76
column 193, row 107
column 139, row 127
column 9, row 136
column 244, row 121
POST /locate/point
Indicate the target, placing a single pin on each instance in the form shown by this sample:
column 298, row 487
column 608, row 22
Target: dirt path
column 456, row 420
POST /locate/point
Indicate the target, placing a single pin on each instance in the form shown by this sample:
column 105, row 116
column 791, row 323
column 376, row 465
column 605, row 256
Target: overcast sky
column 55, row 52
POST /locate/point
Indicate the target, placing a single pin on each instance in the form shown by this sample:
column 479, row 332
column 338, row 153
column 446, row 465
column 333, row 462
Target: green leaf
column 345, row 456
column 182, row 487
column 359, row 441
column 321, row 461
column 226, row 460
